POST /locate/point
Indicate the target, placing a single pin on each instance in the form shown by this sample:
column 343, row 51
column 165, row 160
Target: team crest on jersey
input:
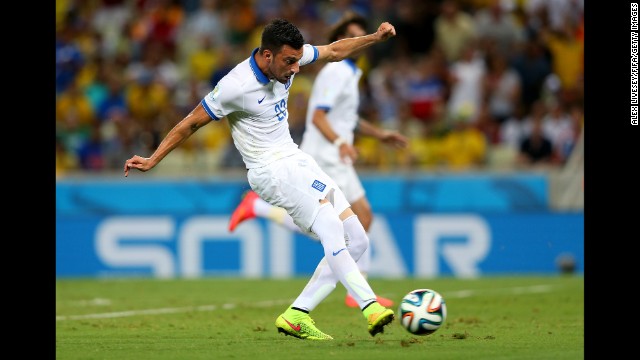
column 318, row 185
column 215, row 92
column 286, row 86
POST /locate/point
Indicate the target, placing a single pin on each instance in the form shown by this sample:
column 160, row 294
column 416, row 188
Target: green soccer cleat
column 299, row 324
column 377, row 316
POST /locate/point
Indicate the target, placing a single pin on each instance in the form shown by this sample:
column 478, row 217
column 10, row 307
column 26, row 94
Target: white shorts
column 347, row 179
column 297, row 184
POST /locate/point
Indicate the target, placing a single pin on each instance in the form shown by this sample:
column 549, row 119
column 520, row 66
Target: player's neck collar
column 351, row 63
column 260, row 76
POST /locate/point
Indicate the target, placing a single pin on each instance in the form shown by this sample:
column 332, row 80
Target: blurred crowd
column 474, row 84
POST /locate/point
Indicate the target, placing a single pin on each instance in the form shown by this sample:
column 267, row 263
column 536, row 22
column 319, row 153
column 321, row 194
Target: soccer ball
column 422, row 311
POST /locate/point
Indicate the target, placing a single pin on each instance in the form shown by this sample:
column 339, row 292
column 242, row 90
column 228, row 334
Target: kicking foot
column 378, row 317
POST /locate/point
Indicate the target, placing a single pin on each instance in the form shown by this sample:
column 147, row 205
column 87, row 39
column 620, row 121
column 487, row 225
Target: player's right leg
column 349, row 182
column 363, row 265
column 362, row 209
column 342, row 263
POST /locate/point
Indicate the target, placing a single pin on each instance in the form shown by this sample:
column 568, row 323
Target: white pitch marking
column 93, row 302
column 167, row 310
column 461, row 294
column 268, row 303
column 132, row 313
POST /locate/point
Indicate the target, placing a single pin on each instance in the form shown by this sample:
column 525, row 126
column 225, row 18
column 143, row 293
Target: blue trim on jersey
column 315, row 54
column 206, row 108
column 323, row 107
column 260, row 76
column 351, row 63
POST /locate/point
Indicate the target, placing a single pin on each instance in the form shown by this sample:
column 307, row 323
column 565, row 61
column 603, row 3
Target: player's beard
column 284, row 79
column 281, row 79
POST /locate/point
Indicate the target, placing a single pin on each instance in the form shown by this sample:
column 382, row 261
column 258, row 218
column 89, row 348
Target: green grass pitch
column 508, row 317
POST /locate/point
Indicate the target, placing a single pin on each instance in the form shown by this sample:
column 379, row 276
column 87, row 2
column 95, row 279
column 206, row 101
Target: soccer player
column 253, row 97
column 332, row 118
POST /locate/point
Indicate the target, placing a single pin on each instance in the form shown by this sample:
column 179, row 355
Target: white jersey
column 335, row 90
column 256, row 108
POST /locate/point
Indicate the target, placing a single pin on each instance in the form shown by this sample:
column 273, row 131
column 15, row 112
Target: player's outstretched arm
column 344, row 48
column 348, row 153
column 389, row 137
column 196, row 119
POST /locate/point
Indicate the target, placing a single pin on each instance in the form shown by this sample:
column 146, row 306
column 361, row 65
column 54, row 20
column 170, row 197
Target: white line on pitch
column 166, row 310
column 514, row 290
column 268, row 303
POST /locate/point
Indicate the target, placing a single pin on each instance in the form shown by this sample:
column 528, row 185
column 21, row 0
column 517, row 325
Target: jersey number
column 281, row 110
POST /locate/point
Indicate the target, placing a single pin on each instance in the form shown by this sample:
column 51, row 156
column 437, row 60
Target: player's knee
column 358, row 239
column 328, row 227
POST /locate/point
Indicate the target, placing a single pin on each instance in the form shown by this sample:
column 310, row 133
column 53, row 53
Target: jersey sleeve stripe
column 206, row 108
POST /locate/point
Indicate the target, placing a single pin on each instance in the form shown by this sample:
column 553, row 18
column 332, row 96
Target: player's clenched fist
column 386, row 30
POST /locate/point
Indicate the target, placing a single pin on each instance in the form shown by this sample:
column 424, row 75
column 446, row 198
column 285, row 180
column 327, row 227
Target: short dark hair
column 280, row 32
column 340, row 28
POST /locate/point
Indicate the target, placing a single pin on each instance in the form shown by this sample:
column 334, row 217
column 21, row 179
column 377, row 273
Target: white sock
column 365, row 262
column 341, row 266
column 358, row 239
column 321, row 284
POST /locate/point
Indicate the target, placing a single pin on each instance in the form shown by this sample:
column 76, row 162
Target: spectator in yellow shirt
column 464, row 147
